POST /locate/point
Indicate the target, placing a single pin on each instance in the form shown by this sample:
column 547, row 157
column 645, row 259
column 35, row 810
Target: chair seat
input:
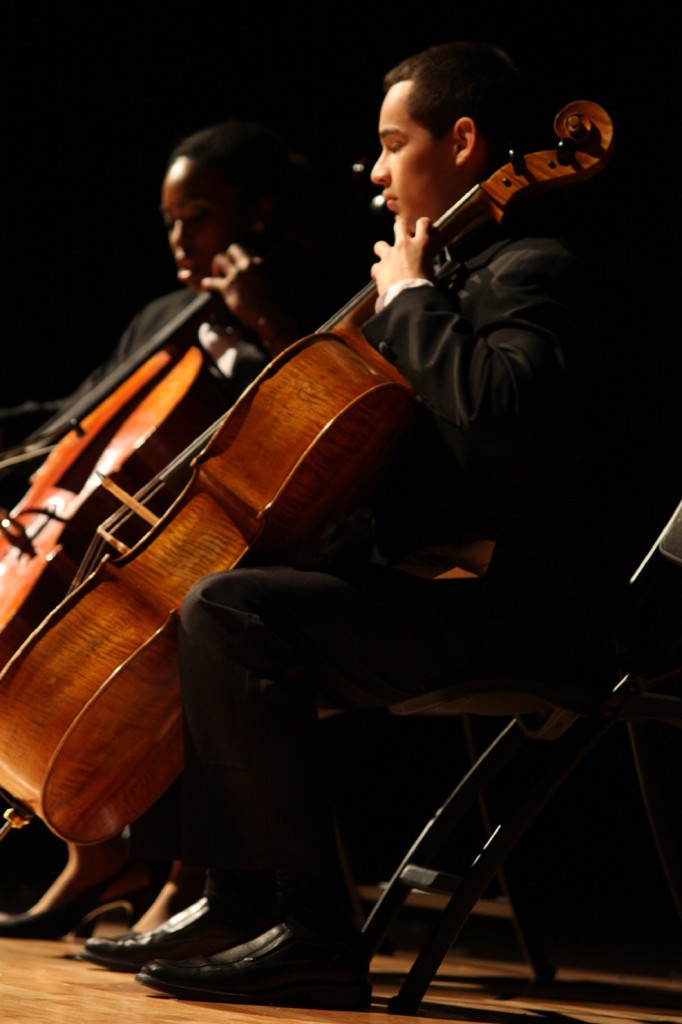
column 501, row 696
column 636, row 680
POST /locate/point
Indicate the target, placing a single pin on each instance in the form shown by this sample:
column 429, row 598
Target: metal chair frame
column 567, row 720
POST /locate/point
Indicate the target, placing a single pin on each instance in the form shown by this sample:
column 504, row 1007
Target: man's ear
column 471, row 151
column 466, row 139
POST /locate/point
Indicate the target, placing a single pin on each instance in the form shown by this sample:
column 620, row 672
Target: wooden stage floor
column 40, row 982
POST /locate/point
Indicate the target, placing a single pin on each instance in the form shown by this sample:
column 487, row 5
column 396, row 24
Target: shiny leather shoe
column 197, row 929
column 79, row 915
column 285, row 966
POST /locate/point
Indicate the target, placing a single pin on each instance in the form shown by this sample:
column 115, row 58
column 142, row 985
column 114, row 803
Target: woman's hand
column 240, row 278
column 242, row 281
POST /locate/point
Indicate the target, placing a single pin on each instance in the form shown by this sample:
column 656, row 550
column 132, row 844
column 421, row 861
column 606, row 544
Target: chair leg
column 564, row 755
column 522, row 919
column 438, row 829
column 664, row 818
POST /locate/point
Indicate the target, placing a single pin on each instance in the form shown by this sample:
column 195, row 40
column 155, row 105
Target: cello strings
column 123, row 514
column 482, row 207
column 98, row 545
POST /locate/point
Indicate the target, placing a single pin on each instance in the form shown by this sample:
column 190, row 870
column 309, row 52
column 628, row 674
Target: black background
column 92, row 103
column 93, row 99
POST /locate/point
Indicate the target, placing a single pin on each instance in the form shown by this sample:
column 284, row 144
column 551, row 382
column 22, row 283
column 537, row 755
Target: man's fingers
column 423, row 229
column 400, row 230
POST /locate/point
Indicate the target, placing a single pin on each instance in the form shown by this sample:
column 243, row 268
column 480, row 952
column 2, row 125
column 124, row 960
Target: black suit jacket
column 497, row 355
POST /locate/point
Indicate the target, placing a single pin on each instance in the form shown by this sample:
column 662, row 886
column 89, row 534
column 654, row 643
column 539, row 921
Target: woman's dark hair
column 250, row 155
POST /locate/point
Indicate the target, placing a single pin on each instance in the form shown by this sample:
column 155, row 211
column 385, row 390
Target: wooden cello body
column 130, row 435
column 91, row 718
column 290, row 457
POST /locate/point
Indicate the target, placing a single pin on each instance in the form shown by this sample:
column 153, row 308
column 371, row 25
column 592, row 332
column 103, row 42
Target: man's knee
column 218, row 590
column 205, row 602
column 241, row 604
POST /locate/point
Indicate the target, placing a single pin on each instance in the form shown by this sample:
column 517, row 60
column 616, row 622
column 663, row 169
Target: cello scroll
column 585, row 133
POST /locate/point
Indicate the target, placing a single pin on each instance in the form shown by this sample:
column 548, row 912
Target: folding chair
column 560, row 723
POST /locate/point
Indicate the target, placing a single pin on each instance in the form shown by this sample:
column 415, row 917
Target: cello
column 89, row 744
column 126, row 428
column 44, row 538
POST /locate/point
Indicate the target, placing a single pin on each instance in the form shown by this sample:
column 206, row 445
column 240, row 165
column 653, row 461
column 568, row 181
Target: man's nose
column 379, row 174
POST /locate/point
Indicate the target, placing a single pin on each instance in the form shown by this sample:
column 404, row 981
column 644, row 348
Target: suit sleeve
column 495, row 351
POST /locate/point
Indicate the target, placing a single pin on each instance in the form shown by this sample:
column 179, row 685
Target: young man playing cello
column 489, row 482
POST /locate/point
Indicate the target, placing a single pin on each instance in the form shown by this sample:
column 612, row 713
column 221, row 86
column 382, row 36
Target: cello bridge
column 109, row 538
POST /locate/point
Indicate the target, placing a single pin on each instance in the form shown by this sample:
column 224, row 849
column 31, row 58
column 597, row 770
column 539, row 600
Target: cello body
column 91, row 719
column 135, row 431
column 92, row 729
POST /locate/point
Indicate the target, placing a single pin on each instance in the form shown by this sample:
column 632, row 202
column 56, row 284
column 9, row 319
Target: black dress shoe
column 80, row 914
column 198, row 929
column 285, row 966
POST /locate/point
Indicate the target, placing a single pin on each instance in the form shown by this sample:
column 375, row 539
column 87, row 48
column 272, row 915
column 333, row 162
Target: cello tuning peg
column 565, row 151
column 517, row 161
column 76, row 425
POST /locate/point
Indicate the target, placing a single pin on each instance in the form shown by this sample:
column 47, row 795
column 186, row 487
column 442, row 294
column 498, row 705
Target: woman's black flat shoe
column 79, row 915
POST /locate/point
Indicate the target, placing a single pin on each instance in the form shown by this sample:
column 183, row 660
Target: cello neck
column 74, row 411
column 467, row 213
column 585, row 134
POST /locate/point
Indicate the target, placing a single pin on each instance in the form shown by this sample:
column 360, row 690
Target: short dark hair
column 464, row 79
column 248, row 154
